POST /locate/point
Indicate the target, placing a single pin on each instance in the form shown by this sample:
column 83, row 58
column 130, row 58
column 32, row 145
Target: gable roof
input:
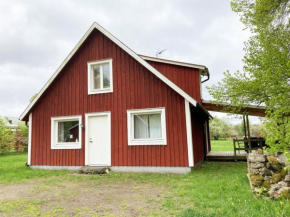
column 202, row 69
column 125, row 48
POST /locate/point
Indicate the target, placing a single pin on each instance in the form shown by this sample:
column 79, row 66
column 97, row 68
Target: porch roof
column 259, row 111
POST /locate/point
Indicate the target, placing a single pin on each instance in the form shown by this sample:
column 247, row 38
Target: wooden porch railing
column 247, row 145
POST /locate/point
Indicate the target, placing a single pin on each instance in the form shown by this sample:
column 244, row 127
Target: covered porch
column 241, row 146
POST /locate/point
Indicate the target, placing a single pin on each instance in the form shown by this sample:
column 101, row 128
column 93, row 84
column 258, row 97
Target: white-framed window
column 146, row 126
column 100, row 77
column 66, row 132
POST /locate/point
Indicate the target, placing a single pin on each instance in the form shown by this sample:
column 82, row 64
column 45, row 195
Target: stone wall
column 267, row 174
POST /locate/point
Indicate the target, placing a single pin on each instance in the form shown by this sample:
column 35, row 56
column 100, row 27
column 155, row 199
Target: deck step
column 95, row 170
column 226, row 156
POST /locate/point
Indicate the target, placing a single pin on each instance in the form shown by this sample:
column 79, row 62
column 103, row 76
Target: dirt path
column 56, row 197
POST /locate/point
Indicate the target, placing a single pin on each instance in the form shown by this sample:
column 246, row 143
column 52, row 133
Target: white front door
column 98, row 139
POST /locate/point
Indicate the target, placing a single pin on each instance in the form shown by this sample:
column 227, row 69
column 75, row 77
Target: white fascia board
column 172, row 62
column 125, row 48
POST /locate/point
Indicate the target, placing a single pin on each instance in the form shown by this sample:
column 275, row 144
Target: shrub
column 7, row 138
column 21, row 138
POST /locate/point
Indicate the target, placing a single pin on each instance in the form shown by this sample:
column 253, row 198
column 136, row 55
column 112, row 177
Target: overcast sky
column 36, row 36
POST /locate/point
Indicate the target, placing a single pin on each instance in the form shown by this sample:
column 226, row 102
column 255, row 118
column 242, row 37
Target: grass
column 13, row 170
column 217, row 189
column 222, row 145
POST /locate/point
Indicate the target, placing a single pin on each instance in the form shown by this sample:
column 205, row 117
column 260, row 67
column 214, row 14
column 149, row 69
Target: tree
column 220, row 128
column 265, row 79
column 255, row 129
column 6, row 137
column 21, row 138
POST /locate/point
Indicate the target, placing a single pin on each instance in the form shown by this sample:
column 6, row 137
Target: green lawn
column 13, row 170
column 222, row 145
column 216, row 189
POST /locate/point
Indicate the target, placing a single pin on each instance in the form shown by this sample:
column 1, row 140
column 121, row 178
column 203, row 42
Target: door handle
column 91, row 140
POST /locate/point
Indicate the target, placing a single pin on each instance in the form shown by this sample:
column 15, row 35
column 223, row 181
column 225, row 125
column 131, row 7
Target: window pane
column 68, row 131
column 155, row 126
column 147, row 126
column 97, row 77
column 141, row 127
column 106, row 76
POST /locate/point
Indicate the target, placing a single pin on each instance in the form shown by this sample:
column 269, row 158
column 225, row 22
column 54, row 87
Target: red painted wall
column 198, row 118
column 134, row 88
column 186, row 78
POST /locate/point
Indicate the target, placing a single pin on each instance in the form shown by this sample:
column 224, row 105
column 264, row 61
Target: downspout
column 208, row 75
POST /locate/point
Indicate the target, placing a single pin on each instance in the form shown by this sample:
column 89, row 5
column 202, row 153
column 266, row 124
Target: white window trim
column 130, row 127
column 90, row 77
column 67, row 145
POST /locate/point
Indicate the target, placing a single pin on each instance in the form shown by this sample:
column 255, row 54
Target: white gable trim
column 125, row 48
column 189, row 134
column 29, row 139
column 172, row 62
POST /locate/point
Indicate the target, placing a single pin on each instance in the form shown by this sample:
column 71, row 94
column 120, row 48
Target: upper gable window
column 100, row 78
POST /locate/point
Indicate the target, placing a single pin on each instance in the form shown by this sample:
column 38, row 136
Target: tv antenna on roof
column 160, row 52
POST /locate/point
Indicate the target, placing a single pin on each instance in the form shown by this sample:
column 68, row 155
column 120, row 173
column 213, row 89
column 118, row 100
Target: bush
column 7, row 138
column 21, row 138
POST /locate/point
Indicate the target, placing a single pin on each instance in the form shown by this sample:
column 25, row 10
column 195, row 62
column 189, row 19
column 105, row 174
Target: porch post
column 245, row 131
column 249, row 134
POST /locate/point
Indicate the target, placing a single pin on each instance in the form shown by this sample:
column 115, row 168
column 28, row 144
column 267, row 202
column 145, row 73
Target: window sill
column 66, row 146
column 148, row 142
column 100, row 91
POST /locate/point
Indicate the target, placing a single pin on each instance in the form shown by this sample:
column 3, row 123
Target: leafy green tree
column 21, row 138
column 255, row 129
column 239, row 129
column 220, row 128
column 265, row 79
column 6, row 137
column 23, row 129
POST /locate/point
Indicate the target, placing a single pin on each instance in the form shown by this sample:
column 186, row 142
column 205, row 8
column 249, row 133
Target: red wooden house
column 108, row 106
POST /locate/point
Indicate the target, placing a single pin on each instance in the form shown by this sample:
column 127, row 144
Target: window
column 66, row 132
column 100, row 78
column 147, row 127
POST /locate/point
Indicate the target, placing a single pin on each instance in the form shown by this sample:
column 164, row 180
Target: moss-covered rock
column 266, row 184
column 253, row 158
column 283, row 173
column 285, row 192
column 256, row 179
column 274, row 164
column 276, row 178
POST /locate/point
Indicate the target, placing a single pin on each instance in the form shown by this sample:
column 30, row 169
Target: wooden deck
column 226, row 156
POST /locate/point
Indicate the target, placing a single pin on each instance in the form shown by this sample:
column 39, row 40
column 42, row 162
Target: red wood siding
column 186, row 78
column 134, row 87
column 197, row 122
